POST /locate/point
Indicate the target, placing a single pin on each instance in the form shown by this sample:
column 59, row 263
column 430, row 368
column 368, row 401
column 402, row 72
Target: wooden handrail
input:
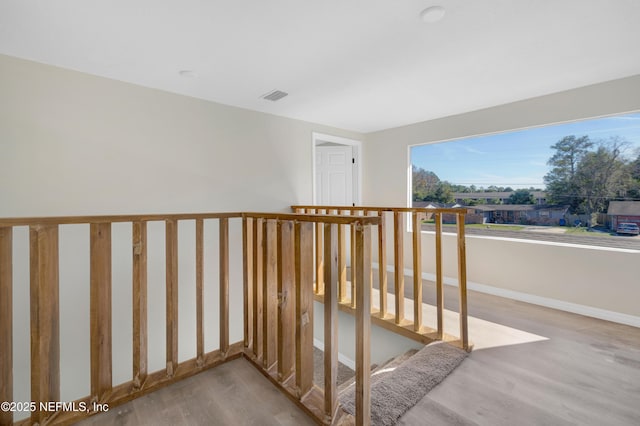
column 75, row 220
column 316, row 218
column 44, row 259
column 307, row 209
column 283, row 270
column 269, row 234
column 413, row 328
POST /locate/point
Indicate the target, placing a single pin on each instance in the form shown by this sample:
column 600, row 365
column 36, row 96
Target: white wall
column 385, row 344
column 75, row 144
column 594, row 281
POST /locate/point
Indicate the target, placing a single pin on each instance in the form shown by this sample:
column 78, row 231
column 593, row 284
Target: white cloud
column 473, row 150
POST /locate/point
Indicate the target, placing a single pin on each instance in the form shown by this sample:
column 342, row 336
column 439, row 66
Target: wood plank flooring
column 234, row 393
column 577, row 371
column 584, row 372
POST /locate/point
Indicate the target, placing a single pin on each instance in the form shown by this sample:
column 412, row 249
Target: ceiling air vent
column 274, row 95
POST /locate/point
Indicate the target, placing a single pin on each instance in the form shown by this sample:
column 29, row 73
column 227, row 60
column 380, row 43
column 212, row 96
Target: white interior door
column 334, row 175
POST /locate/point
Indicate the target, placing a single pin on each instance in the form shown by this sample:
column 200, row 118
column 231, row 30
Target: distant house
column 623, row 211
column 496, row 197
column 426, row 204
column 526, row 214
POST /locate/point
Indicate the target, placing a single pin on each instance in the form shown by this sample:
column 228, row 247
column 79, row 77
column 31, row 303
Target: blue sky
column 516, row 159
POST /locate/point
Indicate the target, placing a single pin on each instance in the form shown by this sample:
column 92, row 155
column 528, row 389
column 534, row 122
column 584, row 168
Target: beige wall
column 72, row 143
column 75, row 144
column 587, row 279
column 594, row 281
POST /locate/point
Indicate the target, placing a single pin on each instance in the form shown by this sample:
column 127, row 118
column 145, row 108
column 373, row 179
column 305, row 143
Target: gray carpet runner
column 399, row 385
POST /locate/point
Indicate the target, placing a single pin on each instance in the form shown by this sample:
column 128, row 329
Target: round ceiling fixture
column 432, row 14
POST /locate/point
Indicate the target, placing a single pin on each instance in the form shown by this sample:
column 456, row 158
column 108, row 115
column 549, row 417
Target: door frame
column 320, row 138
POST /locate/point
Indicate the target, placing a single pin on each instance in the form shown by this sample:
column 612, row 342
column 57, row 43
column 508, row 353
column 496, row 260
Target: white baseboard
column 341, row 357
column 562, row 305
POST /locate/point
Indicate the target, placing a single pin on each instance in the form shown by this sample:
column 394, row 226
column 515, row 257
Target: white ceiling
column 361, row 65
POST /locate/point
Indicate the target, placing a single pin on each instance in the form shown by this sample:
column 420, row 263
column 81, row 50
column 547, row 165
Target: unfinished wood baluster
column 371, row 213
column 247, row 276
column 6, row 322
column 462, row 282
column 199, row 293
column 330, row 319
column 258, row 243
column 139, row 299
column 353, row 274
column 45, row 318
column 224, row 285
column 342, row 262
column 304, row 306
column 100, row 302
column 319, row 283
column 363, row 324
column 286, row 301
column 269, row 294
column 417, row 271
column 398, row 259
column 382, row 264
column 439, row 288
column 171, row 237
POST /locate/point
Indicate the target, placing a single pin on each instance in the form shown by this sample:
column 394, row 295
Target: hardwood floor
column 531, row 366
column 579, row 371
column 234, row 393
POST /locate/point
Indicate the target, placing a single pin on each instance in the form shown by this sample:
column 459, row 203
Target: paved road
column 542, row 234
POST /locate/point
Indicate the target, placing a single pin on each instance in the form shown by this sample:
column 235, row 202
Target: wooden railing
column 287, row 261
column 45, row 312
column 279, row 277
column 394, row 216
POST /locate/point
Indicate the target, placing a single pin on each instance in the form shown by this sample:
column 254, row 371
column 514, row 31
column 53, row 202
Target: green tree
column 633, row 191
column 459, row 188
column 442, row 193
column 424, row 182
column 602, row 175
column 426, row 186
column 562, row 187
column 521, row 196
column 634, row 166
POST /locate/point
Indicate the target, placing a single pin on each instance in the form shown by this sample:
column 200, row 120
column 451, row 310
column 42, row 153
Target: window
column 569, row 181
